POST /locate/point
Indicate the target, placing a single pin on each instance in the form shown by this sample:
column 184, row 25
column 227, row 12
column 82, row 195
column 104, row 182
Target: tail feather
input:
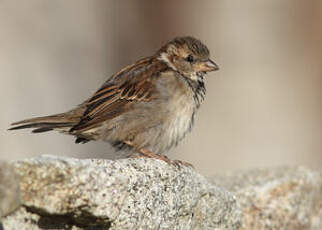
column 41, row 130
column 63, row 122
column 44, row 124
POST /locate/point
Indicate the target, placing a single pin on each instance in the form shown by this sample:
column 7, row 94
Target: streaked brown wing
column 132, row 84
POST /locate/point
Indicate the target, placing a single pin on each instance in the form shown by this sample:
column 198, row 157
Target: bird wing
column 134, row 83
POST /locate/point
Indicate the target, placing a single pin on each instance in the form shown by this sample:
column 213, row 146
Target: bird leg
column 143, row 152
column 146, row 153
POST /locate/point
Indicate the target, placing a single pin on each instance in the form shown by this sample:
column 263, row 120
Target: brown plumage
column 148, row 106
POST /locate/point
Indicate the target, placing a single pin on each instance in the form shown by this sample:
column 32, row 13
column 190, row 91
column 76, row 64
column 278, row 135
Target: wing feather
column 132, row 84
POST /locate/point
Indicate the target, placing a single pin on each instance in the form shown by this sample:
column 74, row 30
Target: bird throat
column 197, row 85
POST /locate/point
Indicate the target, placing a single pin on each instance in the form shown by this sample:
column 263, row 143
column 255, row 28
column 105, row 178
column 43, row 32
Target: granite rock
column 288, row 198
column 9, row 189
column 67, row 193
column 97, row 194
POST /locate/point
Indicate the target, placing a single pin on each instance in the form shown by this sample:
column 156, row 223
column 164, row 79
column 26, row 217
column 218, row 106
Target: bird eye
column 190, row 58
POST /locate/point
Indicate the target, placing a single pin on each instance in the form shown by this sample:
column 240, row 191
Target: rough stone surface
column 9, row 189
column 97, row 194
column 66, row 193
column 280, row 198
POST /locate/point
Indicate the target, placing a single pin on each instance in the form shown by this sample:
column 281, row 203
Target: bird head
column 188, row 56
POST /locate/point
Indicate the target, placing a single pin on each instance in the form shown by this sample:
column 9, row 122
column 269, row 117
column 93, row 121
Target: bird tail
column 57, row 122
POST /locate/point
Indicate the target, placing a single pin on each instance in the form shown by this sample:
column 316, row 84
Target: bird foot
column 179, row 163
column 149, row 154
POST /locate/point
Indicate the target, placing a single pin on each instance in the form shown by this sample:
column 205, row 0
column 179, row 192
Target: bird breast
column 181, row 107
column 180, row 123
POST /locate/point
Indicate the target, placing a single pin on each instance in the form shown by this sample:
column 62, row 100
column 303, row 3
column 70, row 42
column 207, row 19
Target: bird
column 148, row 106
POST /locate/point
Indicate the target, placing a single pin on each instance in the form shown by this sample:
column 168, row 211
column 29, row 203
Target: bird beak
column 209, row 66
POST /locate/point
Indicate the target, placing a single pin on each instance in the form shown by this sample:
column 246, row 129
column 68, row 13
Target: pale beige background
column 263, row 108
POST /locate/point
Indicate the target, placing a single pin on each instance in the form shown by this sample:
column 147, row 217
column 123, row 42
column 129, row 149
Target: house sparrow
column 148, row 106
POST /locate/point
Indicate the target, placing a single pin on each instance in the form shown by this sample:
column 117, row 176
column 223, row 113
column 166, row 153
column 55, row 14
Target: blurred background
column 263, row 108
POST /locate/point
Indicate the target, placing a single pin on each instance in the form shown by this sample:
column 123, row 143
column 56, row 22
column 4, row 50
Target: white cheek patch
column 164, row 57
column 194, row 77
